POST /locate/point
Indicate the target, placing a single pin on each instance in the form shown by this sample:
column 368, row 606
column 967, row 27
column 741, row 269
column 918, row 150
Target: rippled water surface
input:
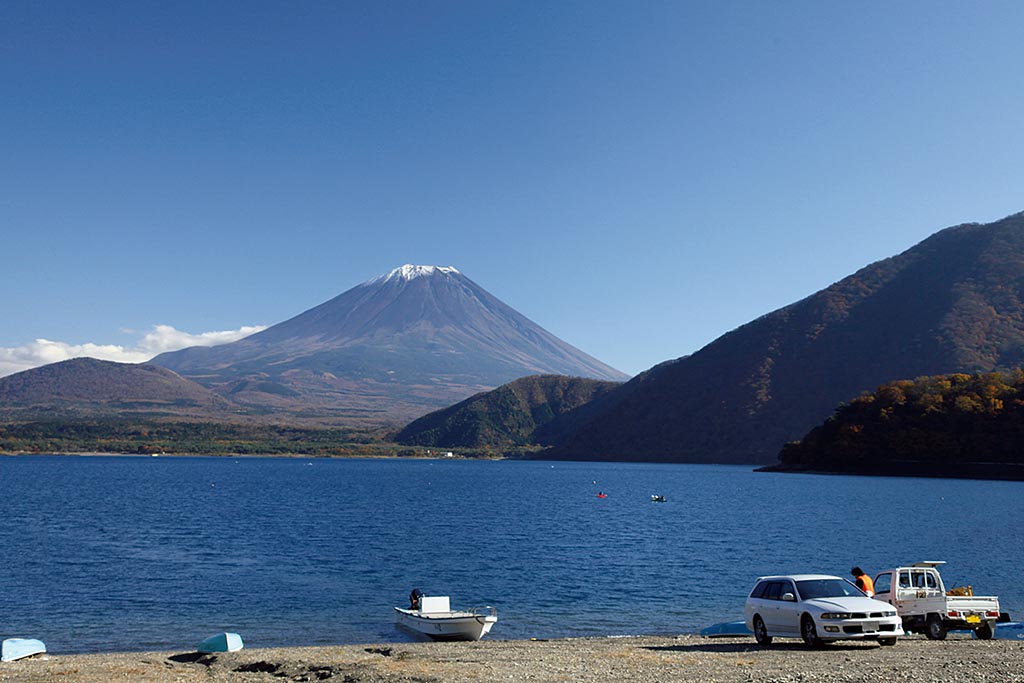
column 119, row 553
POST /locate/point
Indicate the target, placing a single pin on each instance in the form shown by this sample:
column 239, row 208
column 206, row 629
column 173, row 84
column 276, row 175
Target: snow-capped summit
column 412, row 340
column 410, row 272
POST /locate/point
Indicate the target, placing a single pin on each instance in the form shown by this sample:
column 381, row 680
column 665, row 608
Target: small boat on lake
column 18, row 648
column 435, row 618
column 657, row 499
column 221, row 642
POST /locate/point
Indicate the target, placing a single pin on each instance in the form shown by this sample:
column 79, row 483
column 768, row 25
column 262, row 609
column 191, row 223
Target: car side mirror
column 789, row 597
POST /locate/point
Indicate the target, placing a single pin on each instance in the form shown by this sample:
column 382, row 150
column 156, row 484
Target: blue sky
column 638, row 178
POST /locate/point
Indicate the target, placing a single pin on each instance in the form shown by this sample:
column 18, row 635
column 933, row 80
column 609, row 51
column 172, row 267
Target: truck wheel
column 760, row 632
column 934, row 629
column 809, row 632
column 984, row 632
column 886, row 642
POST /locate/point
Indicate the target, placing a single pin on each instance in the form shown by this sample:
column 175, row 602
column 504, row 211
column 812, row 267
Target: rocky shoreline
column 584, row 660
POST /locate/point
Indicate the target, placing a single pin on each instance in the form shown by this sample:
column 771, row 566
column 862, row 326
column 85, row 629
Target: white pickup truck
column 921, row 599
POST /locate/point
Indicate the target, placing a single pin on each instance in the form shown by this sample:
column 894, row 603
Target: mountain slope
column 90, row 387
column 391, row 348
column 953, row 303
column 505, row 417
column 940, row 426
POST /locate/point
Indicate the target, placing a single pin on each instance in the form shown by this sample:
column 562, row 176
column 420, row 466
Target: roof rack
column 929, row 563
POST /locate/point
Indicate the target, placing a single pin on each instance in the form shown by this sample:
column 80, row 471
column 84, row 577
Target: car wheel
column 886, row 642
column 984, row 632
column 809, row 632
column 760, row 632
column 934, row 629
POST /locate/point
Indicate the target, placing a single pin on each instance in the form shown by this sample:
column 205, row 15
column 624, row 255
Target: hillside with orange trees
column 955, row 425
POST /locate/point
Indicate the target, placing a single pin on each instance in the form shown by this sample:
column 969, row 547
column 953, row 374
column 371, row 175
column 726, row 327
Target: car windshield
column 827, row 588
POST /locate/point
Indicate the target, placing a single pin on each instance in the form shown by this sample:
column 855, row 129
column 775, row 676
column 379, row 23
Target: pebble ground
column 583, row 660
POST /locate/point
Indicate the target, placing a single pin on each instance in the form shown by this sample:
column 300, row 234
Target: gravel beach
column 646, row 658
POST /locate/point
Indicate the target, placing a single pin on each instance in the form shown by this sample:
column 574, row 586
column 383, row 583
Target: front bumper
column 859, row 629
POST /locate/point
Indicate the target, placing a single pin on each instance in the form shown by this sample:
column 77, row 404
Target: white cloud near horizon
column 160, row 339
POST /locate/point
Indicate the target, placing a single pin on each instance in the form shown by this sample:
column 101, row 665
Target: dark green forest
column 954, row 425
column 508, row 420
column 199, row 438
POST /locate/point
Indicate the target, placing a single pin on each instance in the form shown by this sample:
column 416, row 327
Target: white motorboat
column 435, row 618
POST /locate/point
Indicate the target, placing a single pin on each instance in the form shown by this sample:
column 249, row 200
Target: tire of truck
column 934, row 629
column 984, row 632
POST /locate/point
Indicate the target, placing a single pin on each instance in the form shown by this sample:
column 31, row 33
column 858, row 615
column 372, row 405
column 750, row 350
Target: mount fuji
column 390, row 349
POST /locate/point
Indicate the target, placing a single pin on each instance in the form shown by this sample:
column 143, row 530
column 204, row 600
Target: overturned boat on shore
column 728, row 629
column 221, row 642
column 13, row 649
column 436, row 619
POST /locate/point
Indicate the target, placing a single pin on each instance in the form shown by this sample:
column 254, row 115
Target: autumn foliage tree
column 943, row 425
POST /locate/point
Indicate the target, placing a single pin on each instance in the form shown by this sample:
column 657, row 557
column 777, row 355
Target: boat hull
column 221, row 642
column 18, row 648
column 1010, row 630
column 446, row 625
column 729, row 629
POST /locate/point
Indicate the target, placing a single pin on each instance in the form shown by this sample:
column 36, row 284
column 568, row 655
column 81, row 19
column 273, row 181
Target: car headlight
column 890, row 614
column 835, row 615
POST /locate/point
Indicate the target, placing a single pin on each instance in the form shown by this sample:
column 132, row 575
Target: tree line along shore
column 955, row 425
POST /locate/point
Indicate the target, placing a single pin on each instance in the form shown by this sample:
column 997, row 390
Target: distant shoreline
column 996, row 472
column 369, row 456
column 1017, row 475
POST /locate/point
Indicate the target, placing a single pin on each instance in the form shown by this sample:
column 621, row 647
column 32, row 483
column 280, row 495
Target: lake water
column 122, row 553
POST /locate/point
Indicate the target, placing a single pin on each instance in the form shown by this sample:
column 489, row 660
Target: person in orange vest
column 864, row 581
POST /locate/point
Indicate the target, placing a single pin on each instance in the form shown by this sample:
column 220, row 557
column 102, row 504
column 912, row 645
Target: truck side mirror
column 789, row 597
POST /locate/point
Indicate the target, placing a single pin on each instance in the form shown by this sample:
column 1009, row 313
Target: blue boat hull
column 1010, row 630
column 18, row 648
column 222, row 642
column 729, row 629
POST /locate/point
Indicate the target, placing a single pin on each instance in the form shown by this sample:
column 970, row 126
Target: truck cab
column 922, row 601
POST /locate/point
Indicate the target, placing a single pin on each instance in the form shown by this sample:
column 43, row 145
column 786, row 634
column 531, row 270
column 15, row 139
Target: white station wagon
column 819, row 609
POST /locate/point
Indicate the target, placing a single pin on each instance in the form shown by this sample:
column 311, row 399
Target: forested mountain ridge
column 954, row 425
column 510, row 416
column 952, row 303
